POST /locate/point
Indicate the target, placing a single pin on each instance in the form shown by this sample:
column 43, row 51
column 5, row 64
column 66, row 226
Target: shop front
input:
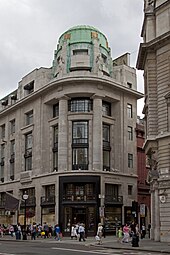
column 79, row 203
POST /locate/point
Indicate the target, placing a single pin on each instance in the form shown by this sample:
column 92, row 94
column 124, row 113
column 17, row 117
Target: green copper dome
column 83, row 34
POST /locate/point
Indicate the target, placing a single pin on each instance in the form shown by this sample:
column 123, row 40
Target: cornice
column 151, row 46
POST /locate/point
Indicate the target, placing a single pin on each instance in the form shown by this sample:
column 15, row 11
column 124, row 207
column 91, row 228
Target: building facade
column 154, row 59
column 67, row 137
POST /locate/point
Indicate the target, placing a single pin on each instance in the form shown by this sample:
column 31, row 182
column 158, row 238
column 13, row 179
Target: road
column 59, row 248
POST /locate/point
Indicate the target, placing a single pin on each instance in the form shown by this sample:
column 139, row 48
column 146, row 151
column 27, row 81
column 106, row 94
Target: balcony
column 30, row 202
column 48, row 200
column 111, row 199
column 80, row 198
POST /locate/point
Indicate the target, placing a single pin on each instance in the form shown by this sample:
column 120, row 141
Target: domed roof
column 83, row 34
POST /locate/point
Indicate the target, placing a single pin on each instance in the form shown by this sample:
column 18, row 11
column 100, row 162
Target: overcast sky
column 30, row 29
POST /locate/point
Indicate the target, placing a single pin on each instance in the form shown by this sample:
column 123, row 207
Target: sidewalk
column 109, row 242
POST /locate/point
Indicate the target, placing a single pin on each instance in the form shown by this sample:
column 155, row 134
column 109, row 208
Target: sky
column 30, row 29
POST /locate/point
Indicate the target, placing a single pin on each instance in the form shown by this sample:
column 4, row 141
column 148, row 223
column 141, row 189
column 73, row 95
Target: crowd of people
column 33, row 230
column 125, row 234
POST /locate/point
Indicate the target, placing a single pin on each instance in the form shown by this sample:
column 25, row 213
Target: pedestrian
column 11, row 230
column 100, row 233
column 120, row 234
column 81, row 231
column 46, row 230
column 143, row 231
column 1, row 231
column 126, row 231
column 57, row 232
column 33, row 231
column 73, row 232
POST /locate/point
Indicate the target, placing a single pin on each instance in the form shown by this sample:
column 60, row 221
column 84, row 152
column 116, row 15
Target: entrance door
column 79, row 215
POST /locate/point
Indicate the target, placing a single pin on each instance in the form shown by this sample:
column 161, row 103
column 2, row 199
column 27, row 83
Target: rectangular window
column 106, row 108
column 2, row 162
column 80, row 132
column 130, row 160
column 29, row 87
column 80, row 158
column 55, row 149
column 56, row 110
column 80, row 52
column 3, row 131
column 106, row 147
column 12, row 126
column 80, row 145
column 28, row 152
column 130, row 133
column 29, row 117
column 80, row 105
column 12, row 159
column 130, row 187
column 129, row 111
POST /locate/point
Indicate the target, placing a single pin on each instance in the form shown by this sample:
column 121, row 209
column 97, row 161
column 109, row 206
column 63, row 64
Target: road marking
column 95, row 252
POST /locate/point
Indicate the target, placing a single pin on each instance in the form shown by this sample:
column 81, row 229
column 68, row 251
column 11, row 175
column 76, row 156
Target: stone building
column 154, row 59
column 67, row 137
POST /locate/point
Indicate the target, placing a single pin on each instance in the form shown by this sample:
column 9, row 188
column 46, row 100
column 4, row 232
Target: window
column 80, row 145
column 106, row 147
column 130, row 133
column 12, row 159
column 130, row 160
column 49, row 191
column 106, row 108
column 29, row 117
column 130, row 187
column 2, row 159
column 129, row 110
column 3, row 131
column 28, row 152
column 56, row 110
column 104, row 59
column 12, row 126
column 80, row 52
column 55, row 149
column 80, row 105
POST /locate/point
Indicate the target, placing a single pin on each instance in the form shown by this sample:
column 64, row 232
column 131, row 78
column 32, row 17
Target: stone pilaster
column 157, row 213
column 62, row 136
column 97, row 134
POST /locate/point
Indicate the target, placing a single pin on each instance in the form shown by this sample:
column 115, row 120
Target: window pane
column 80, row 105
column 80, row 158
column 129, row 110
column 106, row 160
column 56, row 110
column 106, row 108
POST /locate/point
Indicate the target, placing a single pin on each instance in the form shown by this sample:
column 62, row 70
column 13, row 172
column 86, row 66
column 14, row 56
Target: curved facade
column 67, row 137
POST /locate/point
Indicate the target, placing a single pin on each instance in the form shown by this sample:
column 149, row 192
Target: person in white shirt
column 81, row 231
column 100, row 232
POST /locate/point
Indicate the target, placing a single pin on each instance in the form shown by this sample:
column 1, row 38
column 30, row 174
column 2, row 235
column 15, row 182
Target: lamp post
column 25, row 197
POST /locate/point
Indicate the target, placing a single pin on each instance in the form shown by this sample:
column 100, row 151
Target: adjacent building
column 142, row 171
column 154, row 59
column 67, row 137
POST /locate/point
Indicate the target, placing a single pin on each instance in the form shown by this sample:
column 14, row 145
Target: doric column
column 97, row 134
column 62, row 135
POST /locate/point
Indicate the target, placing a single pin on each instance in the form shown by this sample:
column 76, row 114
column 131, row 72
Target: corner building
column 68, row 137
column 154, row 59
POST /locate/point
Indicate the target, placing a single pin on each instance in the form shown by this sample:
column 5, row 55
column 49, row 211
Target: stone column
column 62, row 136
column 157, row 213
column 97, row 134
column 152, row 215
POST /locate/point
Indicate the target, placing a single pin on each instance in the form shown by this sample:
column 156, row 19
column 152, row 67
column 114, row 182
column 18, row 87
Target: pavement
column 110, row 242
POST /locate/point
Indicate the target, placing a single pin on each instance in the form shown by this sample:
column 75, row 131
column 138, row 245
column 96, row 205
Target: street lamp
column 25, row 197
